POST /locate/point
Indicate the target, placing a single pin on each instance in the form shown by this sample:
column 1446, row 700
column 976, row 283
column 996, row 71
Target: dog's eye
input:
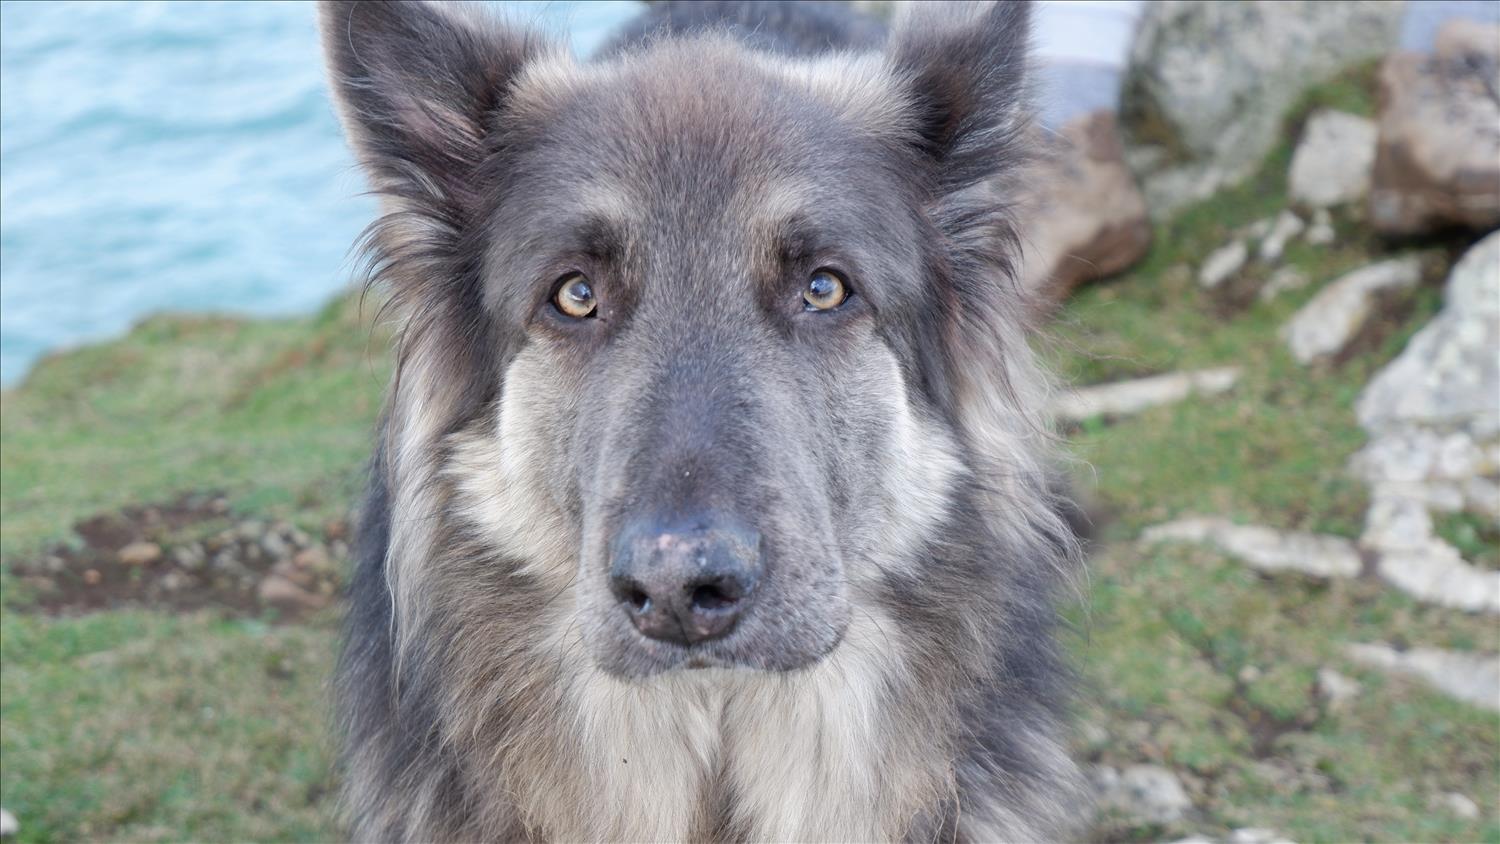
column 575, row 297
column 824, row 292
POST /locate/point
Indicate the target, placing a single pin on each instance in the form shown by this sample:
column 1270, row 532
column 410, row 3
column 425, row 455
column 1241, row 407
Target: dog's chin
column 622, row 652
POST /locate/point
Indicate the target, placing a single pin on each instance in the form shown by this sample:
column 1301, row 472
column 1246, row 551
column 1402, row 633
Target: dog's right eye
column 575, row 297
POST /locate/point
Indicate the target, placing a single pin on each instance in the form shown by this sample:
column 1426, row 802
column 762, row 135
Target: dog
column 712, row 498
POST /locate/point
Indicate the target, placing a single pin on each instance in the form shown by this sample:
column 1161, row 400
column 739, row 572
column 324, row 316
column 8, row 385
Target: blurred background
column 1261, row 241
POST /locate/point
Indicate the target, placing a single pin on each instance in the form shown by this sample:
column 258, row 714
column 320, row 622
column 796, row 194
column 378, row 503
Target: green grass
column 146, row 726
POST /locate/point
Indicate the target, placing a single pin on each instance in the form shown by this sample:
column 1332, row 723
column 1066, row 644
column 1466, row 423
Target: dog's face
column 696, row 307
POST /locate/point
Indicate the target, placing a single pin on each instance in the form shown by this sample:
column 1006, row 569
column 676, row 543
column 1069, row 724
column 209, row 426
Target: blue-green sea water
column 177, row 155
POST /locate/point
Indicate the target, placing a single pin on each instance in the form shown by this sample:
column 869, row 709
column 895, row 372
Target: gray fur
column 896, row 675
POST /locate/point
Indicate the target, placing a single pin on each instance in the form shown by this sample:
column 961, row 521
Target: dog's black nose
column 685, row 581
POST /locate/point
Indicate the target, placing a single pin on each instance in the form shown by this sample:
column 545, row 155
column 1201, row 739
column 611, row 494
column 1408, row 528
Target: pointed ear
column 418, row 87
column 966, row 63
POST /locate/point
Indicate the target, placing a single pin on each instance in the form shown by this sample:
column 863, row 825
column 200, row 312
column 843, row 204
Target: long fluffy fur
column 470, row 706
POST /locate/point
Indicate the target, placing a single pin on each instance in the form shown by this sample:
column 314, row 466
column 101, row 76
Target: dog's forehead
column 703, row 124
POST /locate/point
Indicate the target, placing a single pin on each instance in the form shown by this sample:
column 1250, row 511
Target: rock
column 1336, row 690
column 8, row 824
column 140, row 554
column 1256, row 835
column 313, row 559
column 1122, row 398
column 1089, row 218
column 274, row 546
column 1468, row 677
column 1333, row 161
column 1149, row 793
column 1438, row 575
column 1458, row 804
column 1211, row 83
column 1321, row 232
column 188, row 557
column 1334, row 317
column 250, row 531
column 1437, row 162
column 336, row 529
column 1222, row 264
column 1449, row 374
column 1263, row 548
column 281, row 593
column 1283, row 280
column 1286, row 227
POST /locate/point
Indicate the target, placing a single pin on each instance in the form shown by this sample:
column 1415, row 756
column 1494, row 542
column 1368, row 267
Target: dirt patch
column 185, row 555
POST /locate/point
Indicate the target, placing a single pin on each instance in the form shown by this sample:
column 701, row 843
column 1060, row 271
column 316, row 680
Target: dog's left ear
column 966, row 66
column 419, row 87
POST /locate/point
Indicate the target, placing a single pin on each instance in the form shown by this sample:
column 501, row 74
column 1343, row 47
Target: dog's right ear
column 418, row 87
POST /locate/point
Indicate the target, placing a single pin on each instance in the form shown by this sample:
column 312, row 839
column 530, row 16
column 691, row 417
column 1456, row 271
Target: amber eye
column 575, row 297
column 824, row 292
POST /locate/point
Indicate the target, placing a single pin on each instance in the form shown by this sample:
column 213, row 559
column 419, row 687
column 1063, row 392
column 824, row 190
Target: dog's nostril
column 638, row 600
column 711, row 597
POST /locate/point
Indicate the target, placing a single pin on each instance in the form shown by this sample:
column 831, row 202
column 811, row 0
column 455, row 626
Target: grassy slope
column 144, row 726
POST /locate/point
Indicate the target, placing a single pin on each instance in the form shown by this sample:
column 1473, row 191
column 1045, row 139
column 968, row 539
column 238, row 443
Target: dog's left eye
column 825, row 291
column 575, row 297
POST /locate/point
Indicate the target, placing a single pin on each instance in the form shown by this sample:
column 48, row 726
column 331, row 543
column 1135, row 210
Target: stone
column 1333, row 161
column 1222, row 264
column 1263, row 548
column 188, row 557
column 1211, row 83
column 1257, row 835
column 1437, row 162
column 140, row 554
column 281, row 593
column 274, row 546
column 1148, row 793
column 1437, row 574
column 8, row 824
column 1321, row 232
column 1334, row 317
column 1458, row 804
column 1336, row 690
column 313, row 559
column 1284, row 280
column 1286, row 227
column 1087, row 217
column 1123, row 398
column 1449, row 373
column 1472, row 678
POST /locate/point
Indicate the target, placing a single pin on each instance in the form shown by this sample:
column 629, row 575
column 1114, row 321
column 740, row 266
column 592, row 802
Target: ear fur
column 419, row 87
column 966, row 63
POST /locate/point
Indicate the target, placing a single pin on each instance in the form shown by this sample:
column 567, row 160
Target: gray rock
column 8, row 824
column 188, row 557
column 1257, row 835
column 1285, row 279
column 1222, row 264
column 1458, row 804
column 1321, row 232
column 1334, row 317
column 1333, row 161
column 1263, row 548
column 1286, row 227
column 275, row 546
column 1472, row 678
column 1126, row 397
column 1212, row 82
column 1149, row 793
column 1399, row 531
column 1337, row 690
column 1449, row 374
